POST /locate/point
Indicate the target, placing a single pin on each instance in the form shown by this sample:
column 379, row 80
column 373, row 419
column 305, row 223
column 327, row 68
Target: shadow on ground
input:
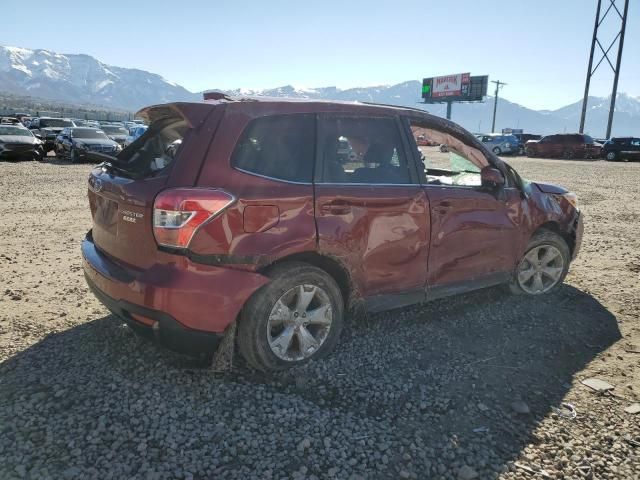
column 417, row 392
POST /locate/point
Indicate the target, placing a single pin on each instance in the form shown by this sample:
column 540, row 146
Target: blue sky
column 539, row 48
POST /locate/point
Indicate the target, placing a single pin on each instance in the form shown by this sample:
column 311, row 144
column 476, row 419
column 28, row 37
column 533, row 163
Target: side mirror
column 491, row 177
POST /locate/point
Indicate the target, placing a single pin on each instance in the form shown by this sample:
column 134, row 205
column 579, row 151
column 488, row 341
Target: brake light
column 179, row 212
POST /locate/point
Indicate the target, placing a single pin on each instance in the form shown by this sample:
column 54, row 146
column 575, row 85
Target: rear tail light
column 179, row 212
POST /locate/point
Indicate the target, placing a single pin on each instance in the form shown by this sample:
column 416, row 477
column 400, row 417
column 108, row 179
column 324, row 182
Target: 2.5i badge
column 132, row 217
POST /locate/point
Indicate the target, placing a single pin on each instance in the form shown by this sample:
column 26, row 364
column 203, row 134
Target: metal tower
column 605, row 55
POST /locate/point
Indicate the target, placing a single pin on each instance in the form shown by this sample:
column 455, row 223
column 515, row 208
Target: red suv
column 284, row 215
column 566, row 145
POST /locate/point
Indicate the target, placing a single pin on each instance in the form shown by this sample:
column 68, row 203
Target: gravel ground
column 461, row 388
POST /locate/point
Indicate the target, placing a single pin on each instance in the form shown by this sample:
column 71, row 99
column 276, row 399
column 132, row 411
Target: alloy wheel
column 299, row 322
column 540, row 269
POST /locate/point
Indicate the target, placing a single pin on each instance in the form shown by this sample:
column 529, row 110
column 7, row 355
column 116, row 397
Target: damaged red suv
column 279, row 217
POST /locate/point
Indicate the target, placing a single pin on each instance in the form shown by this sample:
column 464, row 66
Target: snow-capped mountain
column 81, row 79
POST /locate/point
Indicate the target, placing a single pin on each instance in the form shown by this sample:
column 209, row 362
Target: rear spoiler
column 193, row 113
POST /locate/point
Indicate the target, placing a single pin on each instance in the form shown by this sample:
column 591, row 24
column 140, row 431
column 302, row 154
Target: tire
column 497, row 150
column 73, row 156
column 263, row 327
column 568, row 154
column 38, row 155
column 544, row 242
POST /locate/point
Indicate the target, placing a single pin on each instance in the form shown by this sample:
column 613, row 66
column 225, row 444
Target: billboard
column 461, row 87
column 450, row 85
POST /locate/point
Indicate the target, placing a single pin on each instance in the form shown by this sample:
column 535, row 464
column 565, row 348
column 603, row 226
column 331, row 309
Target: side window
column 635, row 142
column 456, row 162
column 281, row 147
column 365, row 150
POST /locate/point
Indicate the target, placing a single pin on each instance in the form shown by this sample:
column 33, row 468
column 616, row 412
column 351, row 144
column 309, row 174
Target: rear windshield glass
column 154, row 151
column 88, row 133
column 17, row 131
column 55, row 123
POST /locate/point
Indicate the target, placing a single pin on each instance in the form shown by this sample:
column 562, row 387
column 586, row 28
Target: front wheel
column 497, row 150
column 74, row 156
column 295, row 318
column 611, row 156
column 544, row 265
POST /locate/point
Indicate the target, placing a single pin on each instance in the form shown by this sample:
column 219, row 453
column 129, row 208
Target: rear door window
column 362, row 150
column 280, row 147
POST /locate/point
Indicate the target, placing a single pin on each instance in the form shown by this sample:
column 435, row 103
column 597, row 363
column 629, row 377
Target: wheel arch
column 555, row 227
column 336, row 269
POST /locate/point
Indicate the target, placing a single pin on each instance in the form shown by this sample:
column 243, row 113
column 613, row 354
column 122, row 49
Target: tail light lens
column 179, row 212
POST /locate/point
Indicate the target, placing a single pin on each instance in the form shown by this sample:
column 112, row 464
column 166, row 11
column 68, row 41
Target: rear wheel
column 544, row 265
column 497, row 150
column 296, row 317
column 74, row 156
column 568, row 154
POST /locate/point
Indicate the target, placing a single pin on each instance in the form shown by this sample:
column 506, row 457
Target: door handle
column 335, row 208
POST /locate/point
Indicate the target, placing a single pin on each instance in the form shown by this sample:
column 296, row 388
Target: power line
column 495, row 103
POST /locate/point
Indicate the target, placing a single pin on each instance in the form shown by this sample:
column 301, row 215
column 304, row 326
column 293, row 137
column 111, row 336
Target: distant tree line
column 39, row 107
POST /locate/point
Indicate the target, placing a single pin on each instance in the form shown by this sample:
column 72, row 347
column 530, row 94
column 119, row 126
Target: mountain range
column 82, row 79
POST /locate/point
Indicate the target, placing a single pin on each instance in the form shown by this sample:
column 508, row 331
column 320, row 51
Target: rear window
column 154, row 151
column 280, row 147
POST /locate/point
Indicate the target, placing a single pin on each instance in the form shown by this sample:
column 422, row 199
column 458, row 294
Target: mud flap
column 223, row 357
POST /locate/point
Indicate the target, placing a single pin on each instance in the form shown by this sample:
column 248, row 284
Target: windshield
column 113, row 130
column 55, row 123
column 17, row 131
column 88, row 133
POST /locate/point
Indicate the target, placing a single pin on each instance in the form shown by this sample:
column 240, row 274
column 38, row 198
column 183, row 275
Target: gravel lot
column 426, row 392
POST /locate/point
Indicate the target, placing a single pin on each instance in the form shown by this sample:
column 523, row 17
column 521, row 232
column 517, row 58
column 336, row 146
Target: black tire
column 38, row 154
column 252, row 328
column 568, row 154
column 541, row 238
column 497, row 150
column 73, row 156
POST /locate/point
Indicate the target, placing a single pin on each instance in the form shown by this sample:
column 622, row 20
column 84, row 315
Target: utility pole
column 495, row 103
column 605, row 56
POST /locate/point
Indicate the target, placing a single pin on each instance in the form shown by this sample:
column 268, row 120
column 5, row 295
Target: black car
column 621, row 148
column 47, row 129
column 116, row 133
column 75, row 143
column 18, row 143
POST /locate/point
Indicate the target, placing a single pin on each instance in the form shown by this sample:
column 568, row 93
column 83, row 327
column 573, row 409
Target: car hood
column 550, row 188
column 18, row 139
column 95, row 141
column 117, row 137
column 52, row 129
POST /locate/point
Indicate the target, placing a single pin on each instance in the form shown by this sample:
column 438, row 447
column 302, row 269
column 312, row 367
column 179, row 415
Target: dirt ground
column 458, row 365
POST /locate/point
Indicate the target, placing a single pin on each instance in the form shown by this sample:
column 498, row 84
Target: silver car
column 500, row 143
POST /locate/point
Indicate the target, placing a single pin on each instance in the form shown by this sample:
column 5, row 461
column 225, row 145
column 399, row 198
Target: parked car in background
column 566, row 145
column 621, row 149
column 135, row 132
column 9, row 121
column 93, row 124
column 523, row 138
column 500, row 143
column 423, row 141
column 47, row 129
column 77, row 142
column 227, row 212
column 116, row 133
column 78, row 122
column 18, row 143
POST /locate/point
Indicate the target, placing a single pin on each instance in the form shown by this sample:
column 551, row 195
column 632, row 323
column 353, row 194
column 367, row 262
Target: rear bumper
column 183, row 298
column 159, row 325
